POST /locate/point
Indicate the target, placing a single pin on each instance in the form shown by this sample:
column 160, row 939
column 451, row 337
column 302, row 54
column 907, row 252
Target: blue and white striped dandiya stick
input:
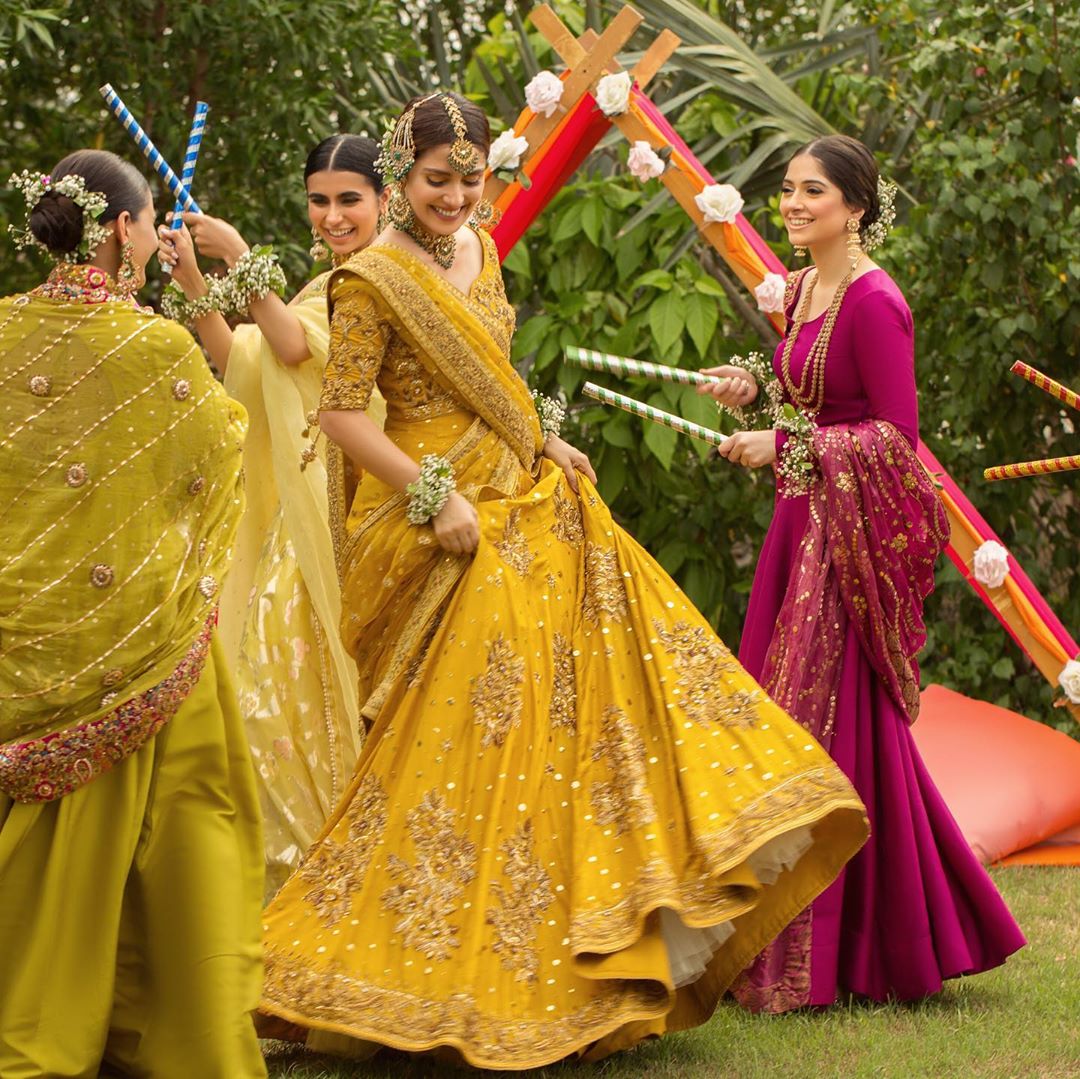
column 191, row 157
column 153, row 155
column 623, row 365
column 639, row 408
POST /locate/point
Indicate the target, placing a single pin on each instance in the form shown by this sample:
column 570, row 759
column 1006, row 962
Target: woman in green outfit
column 130, row 854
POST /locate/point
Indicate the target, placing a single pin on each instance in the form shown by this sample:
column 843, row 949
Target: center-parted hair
column 851, row 167
column 346, row 153
column 57, row 221
column 431, row 125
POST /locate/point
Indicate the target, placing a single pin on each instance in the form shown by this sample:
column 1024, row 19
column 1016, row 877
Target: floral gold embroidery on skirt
column 559, row 785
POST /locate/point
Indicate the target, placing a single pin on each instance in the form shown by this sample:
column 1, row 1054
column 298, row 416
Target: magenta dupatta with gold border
column 875, row 530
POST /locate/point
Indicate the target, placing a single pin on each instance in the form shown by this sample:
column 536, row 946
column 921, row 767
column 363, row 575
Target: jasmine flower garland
column 796, row 462
column 429, row 492
column 551, row 413
column 254, row 276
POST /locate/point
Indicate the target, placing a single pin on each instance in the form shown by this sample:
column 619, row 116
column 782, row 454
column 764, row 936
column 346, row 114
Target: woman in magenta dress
column 835, row 616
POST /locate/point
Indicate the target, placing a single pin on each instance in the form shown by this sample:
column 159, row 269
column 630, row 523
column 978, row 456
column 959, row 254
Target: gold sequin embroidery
column 76, row 475
column 704, row 663
column 496, row 696
column 101, row 575
column 40, row 385
column 428, row 894
column 207, row 586
column 605, row 596
column 564, row 688
column 521, row 906
column 181, row 389
column 568, row 526
column 623, row 801
column 513, row 548
column 337, row 870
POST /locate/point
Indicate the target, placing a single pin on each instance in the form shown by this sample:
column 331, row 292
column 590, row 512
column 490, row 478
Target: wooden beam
column 559, row 36
column 657, row 54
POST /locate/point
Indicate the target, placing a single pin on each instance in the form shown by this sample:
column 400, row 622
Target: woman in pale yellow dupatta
column 130, row 853
column 575, row 817
column 281, row 601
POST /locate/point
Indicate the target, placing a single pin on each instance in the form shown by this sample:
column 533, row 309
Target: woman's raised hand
column 751, row 449
column 457, row 525
column 216, row 238
column 175, row 249
column 569, row 459
column 736, row 387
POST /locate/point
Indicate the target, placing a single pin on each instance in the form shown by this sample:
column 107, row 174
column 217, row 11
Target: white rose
column 544, row 92
column 719, row 202
column 644, row 162
column 613, row 93
column 990, row 564
column 770, row 293
column 1069, row 680
column 506, row 150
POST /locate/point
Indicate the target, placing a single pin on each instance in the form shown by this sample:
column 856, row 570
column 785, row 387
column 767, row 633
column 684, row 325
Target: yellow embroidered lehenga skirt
column 576, row 818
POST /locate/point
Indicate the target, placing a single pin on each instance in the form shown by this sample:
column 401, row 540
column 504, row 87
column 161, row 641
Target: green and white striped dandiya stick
column 639, row 408
column 623, row 365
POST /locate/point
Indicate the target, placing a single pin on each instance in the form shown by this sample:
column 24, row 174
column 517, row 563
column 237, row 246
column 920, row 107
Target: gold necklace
column 809, row 392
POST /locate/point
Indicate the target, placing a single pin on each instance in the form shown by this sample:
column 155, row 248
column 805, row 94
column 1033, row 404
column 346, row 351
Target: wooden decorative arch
column 560, row 143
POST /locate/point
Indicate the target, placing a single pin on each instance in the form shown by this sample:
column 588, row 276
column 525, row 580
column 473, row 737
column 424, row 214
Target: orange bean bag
column 1010, row 782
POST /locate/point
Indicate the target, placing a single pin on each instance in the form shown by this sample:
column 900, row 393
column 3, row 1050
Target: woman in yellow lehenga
column 576, row 818
column 130, row 850
column 296, row 682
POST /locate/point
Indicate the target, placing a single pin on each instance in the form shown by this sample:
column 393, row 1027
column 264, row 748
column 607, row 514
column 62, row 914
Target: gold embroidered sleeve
column 359, row 334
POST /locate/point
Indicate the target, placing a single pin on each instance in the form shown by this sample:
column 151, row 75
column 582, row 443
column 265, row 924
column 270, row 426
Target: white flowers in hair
column 719, row 202
column 990, row 564
column 1069, row 680
column 543, row 93
column 770, row 293
column 644, row 162
column 93, row 204
column 874, row 235
column 506, row 150
column 613, row 93
column 429, row 492
column 551, row 413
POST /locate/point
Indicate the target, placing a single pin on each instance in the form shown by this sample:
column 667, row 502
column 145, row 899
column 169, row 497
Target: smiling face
column 343, row 208
column 441, row 198
column 813, row 208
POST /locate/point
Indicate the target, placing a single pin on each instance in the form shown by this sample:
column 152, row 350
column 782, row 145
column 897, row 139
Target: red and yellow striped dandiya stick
column 1033, row 468
column 1047, row 385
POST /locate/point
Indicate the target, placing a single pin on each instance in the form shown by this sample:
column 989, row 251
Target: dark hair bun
column 57, row 222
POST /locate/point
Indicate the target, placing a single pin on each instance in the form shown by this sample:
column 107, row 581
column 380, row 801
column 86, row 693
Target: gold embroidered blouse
column 369, row 346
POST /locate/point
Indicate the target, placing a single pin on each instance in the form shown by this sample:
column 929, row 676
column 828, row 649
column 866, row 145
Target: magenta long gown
column 914, row 906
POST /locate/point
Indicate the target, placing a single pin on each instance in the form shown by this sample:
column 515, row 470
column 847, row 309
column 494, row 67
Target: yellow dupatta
column 120, row 491
column 278, row 399
column 454, row 340
column 465, row 341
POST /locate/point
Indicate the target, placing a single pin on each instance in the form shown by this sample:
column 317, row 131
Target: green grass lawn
column 1019, row 1022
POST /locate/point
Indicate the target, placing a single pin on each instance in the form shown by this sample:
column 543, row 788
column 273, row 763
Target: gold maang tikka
column 397, row 158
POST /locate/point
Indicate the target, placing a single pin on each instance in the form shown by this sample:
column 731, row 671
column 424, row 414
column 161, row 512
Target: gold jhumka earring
column 127, row 276
column 318, row 249
column 854, row 242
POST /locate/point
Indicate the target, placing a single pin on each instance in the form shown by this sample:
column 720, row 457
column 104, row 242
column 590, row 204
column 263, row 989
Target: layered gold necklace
column 809, row 392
